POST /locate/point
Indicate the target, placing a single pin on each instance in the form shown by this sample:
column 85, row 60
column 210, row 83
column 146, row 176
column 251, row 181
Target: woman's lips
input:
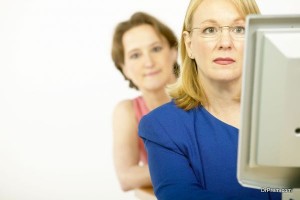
column 152, row 73
column 224, row 61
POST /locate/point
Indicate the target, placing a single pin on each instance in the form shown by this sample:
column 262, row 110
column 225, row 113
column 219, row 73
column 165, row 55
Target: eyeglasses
column 213, row 31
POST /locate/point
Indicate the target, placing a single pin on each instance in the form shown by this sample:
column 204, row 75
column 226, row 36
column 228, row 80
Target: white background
column 58, row 87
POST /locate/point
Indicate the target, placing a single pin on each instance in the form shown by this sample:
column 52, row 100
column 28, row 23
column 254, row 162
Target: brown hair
column 188, row 91
column 139, row 18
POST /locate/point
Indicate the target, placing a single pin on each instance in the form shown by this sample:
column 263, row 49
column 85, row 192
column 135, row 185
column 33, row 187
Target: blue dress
column 192, row 155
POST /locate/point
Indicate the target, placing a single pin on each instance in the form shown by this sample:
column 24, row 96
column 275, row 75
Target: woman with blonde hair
column 192, row 141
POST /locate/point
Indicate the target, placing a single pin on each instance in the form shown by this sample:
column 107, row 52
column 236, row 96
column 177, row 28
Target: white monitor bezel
column 249, row 174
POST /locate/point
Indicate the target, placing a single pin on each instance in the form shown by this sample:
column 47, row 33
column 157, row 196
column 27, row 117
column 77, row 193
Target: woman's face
column 219, row 56
column 148, row 59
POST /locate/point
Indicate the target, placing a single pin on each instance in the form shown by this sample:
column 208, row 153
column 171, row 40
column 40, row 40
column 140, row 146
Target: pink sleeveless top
column 141, row 109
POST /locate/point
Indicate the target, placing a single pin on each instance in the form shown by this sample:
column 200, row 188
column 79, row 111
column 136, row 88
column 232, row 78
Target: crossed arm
column 126, row 150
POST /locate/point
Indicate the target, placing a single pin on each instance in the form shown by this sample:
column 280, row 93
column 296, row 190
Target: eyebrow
column 148, row 45
column 215, row 21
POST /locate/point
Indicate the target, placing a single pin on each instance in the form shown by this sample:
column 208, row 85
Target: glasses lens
column 238, row 31
column 214, row 31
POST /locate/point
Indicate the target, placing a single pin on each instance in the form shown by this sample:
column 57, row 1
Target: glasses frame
column 219, row 30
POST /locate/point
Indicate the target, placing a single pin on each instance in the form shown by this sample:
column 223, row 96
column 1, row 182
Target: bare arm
column 126, row 150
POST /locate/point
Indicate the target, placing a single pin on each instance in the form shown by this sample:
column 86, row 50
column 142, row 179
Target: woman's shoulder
column 134, row 107
column 126, row 104
column 170, row 113
column 168, row 110
column 124, row 109
column 165, row 123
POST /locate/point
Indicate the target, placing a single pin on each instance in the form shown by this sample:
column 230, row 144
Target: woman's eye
column 239, row 29
column 134, row 56
column 209, row 30
column 157, row 49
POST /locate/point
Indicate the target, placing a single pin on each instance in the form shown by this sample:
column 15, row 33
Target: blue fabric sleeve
column 171, row 174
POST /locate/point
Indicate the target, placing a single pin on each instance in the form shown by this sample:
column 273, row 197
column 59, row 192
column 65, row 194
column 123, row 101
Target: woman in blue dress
column 192, row 141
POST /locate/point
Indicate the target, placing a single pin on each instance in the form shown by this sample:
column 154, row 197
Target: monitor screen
column 269, row 138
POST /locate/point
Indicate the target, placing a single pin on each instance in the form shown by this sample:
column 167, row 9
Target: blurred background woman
column 144, row 50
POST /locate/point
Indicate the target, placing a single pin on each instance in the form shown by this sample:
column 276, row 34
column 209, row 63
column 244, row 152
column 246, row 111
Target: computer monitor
column 269, row 138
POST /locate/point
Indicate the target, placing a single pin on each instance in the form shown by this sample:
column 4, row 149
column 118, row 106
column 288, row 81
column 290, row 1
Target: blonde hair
column 188, row 91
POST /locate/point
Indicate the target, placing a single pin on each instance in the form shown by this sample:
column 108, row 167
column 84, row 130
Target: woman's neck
column 224, row 102
column 155, row 99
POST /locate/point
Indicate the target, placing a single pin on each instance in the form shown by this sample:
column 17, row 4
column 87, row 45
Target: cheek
column 166, row 60
column 200, row 48
column 241, row 52
column 172, row 60
column 202, row 53
column 130, row 69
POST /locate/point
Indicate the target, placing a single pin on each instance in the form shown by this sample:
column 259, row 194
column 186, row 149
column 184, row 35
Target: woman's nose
column 149, row 61
column 225, row 39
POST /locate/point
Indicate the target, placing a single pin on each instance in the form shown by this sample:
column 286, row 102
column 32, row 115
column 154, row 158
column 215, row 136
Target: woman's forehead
column 220, row 11
column 142, row 36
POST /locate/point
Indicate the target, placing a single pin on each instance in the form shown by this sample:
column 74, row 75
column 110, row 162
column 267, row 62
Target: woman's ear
column 174, row 54
column 187, row 42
